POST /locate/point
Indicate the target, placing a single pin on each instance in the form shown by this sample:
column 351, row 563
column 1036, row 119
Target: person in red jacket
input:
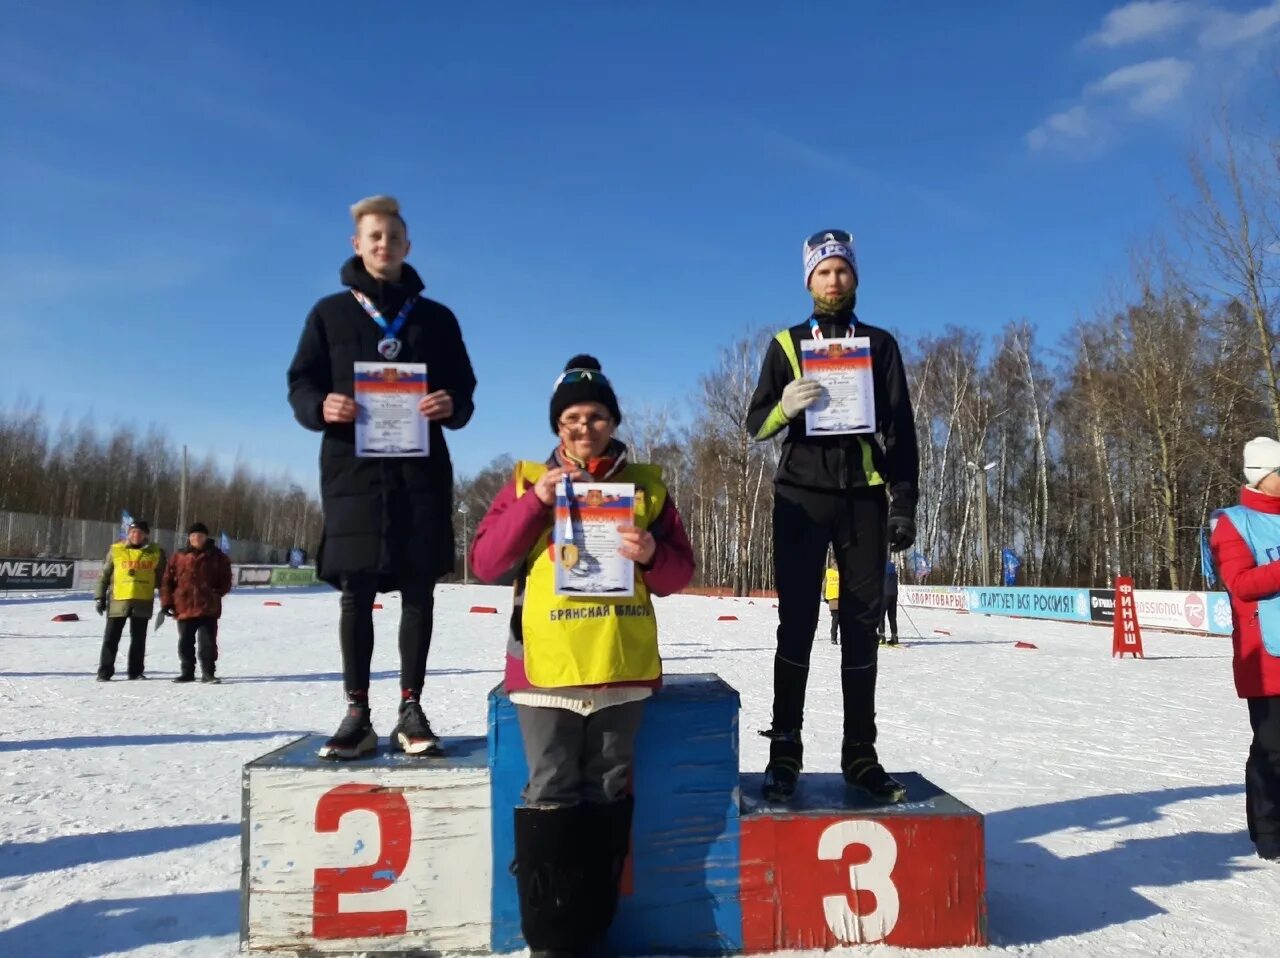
column 191, row 591
column 1245, row 541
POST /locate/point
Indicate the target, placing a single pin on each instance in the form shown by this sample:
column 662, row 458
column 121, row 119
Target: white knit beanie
column 822, row 246
column 1261, row 456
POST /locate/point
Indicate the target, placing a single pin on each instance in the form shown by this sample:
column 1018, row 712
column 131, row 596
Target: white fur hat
column 1261, row 456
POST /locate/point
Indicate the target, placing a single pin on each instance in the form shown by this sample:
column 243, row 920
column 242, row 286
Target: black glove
column 902, row 531
column 100, row 605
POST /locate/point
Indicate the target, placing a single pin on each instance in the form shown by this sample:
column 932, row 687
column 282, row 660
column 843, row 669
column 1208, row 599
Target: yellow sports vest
column 833, row 584
column 133, row 571
column 589, row 641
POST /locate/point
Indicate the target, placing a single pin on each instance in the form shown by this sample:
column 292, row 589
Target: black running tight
column 355, row 631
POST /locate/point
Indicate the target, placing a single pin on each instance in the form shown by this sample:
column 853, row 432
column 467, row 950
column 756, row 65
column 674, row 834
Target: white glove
column 799, row 395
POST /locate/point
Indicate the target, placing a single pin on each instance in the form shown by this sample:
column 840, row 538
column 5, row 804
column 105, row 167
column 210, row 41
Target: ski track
column 1112, row 789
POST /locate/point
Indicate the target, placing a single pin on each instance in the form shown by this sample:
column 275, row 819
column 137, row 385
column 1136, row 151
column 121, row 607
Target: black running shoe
column 786, row 758
column 863, row 771
column 355, row 737
column 210, row 680
column 412, row 734
column 133, row 678
column 184, row 677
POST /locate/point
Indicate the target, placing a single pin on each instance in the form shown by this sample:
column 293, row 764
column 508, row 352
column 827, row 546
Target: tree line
column 78, row 472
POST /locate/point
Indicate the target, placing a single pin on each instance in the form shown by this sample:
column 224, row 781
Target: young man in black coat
column 388, row 522
column 855, row 493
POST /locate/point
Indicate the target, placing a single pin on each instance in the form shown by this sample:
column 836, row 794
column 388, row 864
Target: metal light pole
column 981, row 474
column 463, row 509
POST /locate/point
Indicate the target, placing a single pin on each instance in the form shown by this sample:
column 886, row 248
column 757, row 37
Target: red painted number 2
column 394, row 834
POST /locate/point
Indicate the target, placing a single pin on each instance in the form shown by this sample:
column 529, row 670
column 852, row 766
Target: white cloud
column 1224, row 29
column 1073, row 124
column 1147, row 87
column 1144, row 20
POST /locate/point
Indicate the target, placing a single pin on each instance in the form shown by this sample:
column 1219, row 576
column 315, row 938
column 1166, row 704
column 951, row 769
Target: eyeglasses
column 592, row 422
column 829, row 236
column 579, row 375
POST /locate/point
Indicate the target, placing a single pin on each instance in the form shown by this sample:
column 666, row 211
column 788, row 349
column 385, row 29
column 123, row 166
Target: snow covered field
column 1112, row 789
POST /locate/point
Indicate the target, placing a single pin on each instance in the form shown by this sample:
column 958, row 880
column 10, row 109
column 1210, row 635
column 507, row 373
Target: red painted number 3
column 394, row 834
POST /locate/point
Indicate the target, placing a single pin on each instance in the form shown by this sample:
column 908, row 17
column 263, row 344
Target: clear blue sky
column 633, row 180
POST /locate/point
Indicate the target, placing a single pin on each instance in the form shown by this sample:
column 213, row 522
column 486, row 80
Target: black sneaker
column 412, row 734
column 210, row 680
column 184, row 677
column 355, row 737
column 134, row 678
column 786, row 758
column 863, row 771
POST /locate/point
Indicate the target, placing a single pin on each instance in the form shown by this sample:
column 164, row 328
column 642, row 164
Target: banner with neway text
column 21, row 574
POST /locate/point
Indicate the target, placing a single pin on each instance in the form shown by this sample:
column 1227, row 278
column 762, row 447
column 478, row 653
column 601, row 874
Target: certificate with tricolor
column 843, row 368
column 586, row 539
column 388, row 423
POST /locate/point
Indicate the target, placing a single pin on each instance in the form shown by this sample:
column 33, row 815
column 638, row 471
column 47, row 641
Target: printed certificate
column 586, row 538
column 388, row 423
column 843, row 368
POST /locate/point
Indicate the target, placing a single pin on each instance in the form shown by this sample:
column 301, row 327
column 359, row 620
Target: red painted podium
column 826, row 870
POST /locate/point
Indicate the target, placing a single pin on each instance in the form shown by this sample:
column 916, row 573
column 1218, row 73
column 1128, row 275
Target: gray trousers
column 578, row 758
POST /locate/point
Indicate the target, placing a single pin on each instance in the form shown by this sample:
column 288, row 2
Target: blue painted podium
column 682, row 896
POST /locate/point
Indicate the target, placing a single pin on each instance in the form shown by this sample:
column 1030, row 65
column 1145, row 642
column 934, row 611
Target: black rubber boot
column 550, row 874
column 606, row 844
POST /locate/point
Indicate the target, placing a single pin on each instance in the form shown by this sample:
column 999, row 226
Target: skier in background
column 832, row 594
column 126, row 592
column 191, row 591
column 853, row 493
column 890, row 603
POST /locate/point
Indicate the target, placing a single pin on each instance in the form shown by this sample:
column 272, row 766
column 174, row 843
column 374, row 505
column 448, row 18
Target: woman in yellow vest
column 578, row 667
column 832, row 594
column 130, row 576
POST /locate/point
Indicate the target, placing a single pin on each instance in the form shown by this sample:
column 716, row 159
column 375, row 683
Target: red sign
column 826, row 881
column 1126, row 637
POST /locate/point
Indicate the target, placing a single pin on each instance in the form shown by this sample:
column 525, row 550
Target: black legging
column 355, row 631
column 804, row 524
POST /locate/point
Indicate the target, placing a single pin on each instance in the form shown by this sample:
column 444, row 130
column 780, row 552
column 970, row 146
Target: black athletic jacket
column 888, row 458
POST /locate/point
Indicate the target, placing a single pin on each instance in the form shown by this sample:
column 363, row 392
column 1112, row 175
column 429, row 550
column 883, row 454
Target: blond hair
column 381, row 205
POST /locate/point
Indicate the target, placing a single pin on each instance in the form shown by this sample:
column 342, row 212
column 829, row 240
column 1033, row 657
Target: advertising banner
column 37, row 574
column 1067, row 605
column 253, row 575
column 293, row 577
column 934, row 596
column 1102, row 605
column 1193, row 611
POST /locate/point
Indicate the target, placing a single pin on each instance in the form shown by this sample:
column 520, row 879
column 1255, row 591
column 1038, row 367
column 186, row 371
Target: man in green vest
column 852, row 490
column 126, row 592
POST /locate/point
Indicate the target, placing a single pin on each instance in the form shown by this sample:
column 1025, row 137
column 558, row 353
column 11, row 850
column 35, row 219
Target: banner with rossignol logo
column 1208, row 612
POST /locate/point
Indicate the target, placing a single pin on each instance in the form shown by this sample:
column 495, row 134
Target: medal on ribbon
column 388, row 346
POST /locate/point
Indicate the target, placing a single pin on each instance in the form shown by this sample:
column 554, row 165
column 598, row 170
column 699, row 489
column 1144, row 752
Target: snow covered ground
column 1112, row 789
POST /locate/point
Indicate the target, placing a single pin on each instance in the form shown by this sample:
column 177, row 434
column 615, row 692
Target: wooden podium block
column 681, row 894
column 825, row 871
column 386, row 854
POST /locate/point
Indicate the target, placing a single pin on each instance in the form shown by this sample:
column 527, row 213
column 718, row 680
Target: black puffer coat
column 389, row 517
